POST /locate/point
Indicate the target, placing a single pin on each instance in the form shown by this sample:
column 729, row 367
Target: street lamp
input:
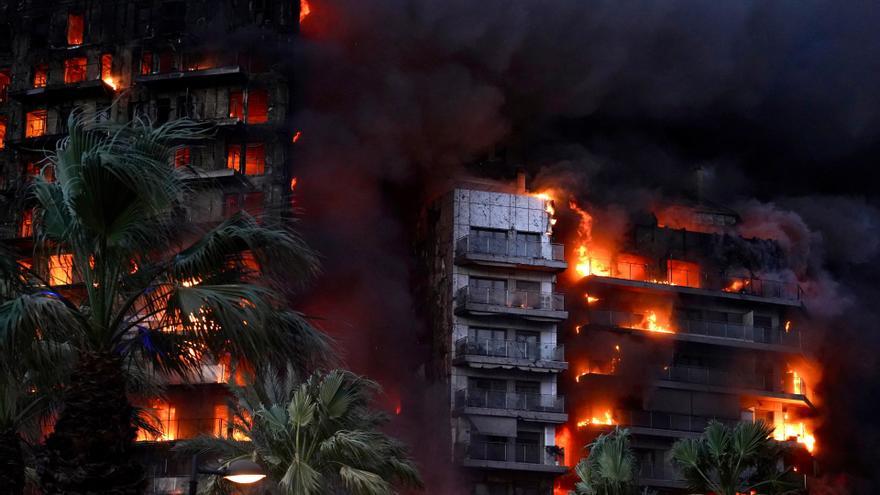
column 241, row 472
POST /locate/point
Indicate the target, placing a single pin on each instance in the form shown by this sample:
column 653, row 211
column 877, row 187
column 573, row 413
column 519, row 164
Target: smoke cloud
column 620, row 102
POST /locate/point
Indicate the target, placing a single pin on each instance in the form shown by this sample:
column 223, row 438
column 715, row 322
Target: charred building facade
column 673, row 329
column 493, row 268
column 160, row 60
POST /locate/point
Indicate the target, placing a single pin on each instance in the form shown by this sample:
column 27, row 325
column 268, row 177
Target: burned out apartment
column 121, row 60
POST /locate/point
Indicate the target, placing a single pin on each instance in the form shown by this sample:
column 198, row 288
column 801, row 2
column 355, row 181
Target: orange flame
column 296, row 136
column 293, row 183
column 797, row 432
column 607, row 420
column 649, row 322
column 112, row 82
column 304, row 9
column 591, row 299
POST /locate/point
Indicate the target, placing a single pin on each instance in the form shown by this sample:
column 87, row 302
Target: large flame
column 650, row 323
column 304, row 9
column 606, row 419
column 797, row 432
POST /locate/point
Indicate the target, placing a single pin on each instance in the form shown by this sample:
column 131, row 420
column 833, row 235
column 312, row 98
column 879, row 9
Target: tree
column 154, row 291
column 610, row 468
column 729, row 460
column 315, row 437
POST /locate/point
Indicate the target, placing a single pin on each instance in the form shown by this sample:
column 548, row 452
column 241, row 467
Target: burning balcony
column 702, row 330
column 207, row 373
column 503, row 251
column 541, row 306
column 521, row 453
column 182, row 429
column 525, row 355
column 73, row 78
column 536, row 407
column 656, row 420
column 168, row 69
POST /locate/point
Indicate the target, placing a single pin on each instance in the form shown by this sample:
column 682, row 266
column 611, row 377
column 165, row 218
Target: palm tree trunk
column 11, row 462
column 91, row 449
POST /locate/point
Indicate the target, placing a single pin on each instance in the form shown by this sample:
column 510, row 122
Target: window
column 258, row 106
column 683, row 273
column 107, row 68
column 61, row 269
column 35, row 123
column 528, row 245
column 4, row 84
column 146, row 63
column 233, row 156
column 41, row 75
column 488, row 241
column 255, row 159
column 26, row 227
column 2, row 133
column 75, row 27
column 163, row 417
column 236, row 105
column 182, row 156
column 75, row 70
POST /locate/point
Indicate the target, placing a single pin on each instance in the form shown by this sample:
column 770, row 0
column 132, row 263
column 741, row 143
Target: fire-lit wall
column 495, row 335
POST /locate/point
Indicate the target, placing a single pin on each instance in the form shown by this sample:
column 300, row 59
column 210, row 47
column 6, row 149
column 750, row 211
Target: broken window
column 75, row 28
column 61, row 269
column 255, row 159
column 182, row 156
column 233, row 157
column 75, row 70
column 107, row 67
column 35, row 123
column 257, row 106
column 26, row 226
column 5, row 79
column 163, row 417
column 2, row 132
column 236, row 105
column 146, row 63
column 41, row 75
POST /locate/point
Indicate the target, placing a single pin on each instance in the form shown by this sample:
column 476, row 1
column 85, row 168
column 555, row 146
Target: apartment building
column 155, row 59
column 673, row 332
column 493, row 269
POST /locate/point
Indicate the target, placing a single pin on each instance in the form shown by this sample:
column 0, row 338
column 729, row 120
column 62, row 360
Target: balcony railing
column 516, row 401
column 471, row 244
column 715, row 377
column 666, row 421
column 530, row 351
column 732, row 331
column 181, row 429
column 519, row 299
column 528, row 453
column 643, row 272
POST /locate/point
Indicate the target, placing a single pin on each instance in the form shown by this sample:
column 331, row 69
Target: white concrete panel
column 500, row 217
column 521, row 219
column 480, row 215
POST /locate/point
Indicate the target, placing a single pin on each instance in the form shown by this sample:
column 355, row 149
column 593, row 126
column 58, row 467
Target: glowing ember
column 296, row 136
column 293, row 183
column 787, row 326
column 112, row 82
column 650, row 323
column 591, row 299
column 398, row 409
column 304, row 9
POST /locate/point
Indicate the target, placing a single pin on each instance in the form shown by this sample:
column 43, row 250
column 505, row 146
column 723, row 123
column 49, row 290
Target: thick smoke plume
column 776, row 101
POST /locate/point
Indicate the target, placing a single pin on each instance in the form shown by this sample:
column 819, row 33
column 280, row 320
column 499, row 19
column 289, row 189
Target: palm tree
column 729, row 460
column 154, row 291
column 318, row 436
column 610, row 468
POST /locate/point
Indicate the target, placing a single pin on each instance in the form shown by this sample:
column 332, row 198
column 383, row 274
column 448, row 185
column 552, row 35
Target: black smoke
column 776, row 101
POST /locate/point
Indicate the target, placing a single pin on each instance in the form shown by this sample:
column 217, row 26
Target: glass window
column 35, row 123
column 528, row 245
column 61, row 269
column 75, row 29
column 236, row 105
column 41, row 75
column 255, row 159
column 5, row 79
column 233, row 156
column 182, row 156
column 258, row 106
column 75, row 70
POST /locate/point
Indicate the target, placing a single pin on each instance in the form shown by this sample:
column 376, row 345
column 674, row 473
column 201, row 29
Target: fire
column 549, row 207
column 787, row 326
column 293, row 183
column 797, row 432
column 608, row 419
column 112, row 82
column 649, row 322
column 591, row 299
column 398, row 409
column 296, row 136
column 304, row 9
column 737, row 285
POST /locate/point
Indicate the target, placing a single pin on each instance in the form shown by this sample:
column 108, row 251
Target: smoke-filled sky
column 777, row 101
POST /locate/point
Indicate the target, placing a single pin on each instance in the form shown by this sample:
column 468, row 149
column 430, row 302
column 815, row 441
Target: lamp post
column 241, row 472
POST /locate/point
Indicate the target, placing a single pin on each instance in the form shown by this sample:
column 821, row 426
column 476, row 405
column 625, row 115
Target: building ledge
column 480, row 309
column 513, row 466
column 516, row 262
column 536, row 416
column 786, row 398
column 702, row 339
column 490, row 362
column 94, row 88
column 681, row 289
column 215, row 75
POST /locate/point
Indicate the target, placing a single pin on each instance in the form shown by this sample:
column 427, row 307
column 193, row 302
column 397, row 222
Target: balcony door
column 528, row 447
column 485, row 392
column 488, row 241
column 526, row 345
column 489, row 341
column 528, row 245
column 488, row 291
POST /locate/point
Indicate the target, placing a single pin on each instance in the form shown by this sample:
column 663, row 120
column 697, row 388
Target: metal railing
column 710, row 376
column 659, row 472
column 59, row 75
column 666, row 421
column 531, row 351
column 732, row 331
column 682, row 277
column 181, row 429
column 522, row 299
column 471, row 244
column 516, row 401
column 529, row 453
column 206, row 373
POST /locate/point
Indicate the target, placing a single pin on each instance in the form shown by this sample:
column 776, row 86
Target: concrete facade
column 495, row 336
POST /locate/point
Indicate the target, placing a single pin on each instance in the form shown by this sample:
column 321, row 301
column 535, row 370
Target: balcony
column 660, row 475
column 694, row 281
column 227, row 74
column 510, row 253
column 744, row 382
column 515, row 456
column 665, row 424
column 538, row 306
column 206, row 374
column 182, row 429
column 510, row 354
column 61, row 86
column 708, row 332
column 537, row 407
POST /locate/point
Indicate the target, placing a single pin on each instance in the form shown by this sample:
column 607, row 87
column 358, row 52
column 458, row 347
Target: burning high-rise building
column 159, row 60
